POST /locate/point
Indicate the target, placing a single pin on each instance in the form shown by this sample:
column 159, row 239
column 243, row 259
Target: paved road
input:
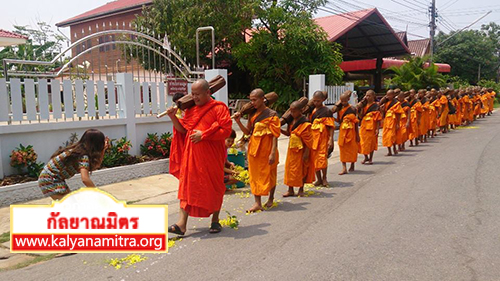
column 429, row 214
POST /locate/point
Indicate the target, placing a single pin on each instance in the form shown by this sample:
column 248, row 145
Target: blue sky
column 410, row 15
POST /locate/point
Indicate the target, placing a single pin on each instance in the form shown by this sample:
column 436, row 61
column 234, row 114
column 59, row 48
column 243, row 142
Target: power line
column 448, row 4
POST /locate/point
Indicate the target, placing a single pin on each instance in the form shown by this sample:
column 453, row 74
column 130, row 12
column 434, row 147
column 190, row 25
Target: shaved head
column 202, row 84
column 258, row 92
column 319, row 94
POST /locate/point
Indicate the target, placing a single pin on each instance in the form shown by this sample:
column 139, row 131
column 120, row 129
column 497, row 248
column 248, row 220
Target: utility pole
column 432, row 26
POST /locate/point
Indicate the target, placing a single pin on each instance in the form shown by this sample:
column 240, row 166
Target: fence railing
column 334, row 93
column 54, row 100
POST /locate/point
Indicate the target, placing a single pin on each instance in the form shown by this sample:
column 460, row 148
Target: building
column 8, row 38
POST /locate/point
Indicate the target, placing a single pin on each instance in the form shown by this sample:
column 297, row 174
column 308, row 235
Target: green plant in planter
column 24, row 158
column 157, row 147
column 116, row 153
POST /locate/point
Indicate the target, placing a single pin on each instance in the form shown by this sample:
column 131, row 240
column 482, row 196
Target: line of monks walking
column 198, row 154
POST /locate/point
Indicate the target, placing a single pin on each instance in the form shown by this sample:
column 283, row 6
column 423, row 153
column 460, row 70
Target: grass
column 5, row 237
column 30, row 262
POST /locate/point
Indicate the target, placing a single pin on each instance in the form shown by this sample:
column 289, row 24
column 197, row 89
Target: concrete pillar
column 1, row 160
column 126, row 104
column 316, row 83
column 222, row 94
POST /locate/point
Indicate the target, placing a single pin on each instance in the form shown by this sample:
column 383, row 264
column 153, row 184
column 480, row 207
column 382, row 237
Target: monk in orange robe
column 468, row 108
column 415, row 118
column 369, row 129
column 484, row 104
column 423, row 128
column 477, row 104
column 348, row 140
column 443, row 114
column 322, row 128
column 458, row 97
column 264, row 130
column 452, row 111
column 299, row 148
column 176, row 145
column 433, row 113
column 392, row 114
column 404, row 123
column 491, row 94
column 201, row 175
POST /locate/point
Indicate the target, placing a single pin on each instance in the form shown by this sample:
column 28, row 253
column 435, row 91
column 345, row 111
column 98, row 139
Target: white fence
column 334, row 93
column 44, row 112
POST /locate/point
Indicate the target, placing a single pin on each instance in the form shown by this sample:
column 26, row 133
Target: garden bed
column 22, row 192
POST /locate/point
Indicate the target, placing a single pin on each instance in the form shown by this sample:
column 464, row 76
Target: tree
column 466, row 52
column 285, row 47
column 180, row 19
column 43, row 44
column 417, row 74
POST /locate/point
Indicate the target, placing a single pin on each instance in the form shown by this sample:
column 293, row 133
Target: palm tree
column 417, row 73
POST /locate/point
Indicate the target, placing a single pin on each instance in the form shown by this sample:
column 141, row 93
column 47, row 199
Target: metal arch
column 94, row 35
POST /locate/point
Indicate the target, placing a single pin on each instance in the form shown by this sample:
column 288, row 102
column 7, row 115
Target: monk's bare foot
column 395, row 152
column 301, row 194
column 325, row 183
column 255, row 208
column 289, row 194
column 351, row 169
column 364, row 161
column 411, row 144
column 269, row 204
column 388, row 154
column 317, row 183
column 369, row 163
column 343, row 172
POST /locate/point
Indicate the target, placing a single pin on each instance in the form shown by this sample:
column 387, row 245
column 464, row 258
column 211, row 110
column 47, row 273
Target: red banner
column 177, row 85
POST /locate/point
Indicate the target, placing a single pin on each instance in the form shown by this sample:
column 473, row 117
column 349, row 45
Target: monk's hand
column 272, row 158
column 330, row 145
column 237, row 116
column 196, row 136
column 171, row 111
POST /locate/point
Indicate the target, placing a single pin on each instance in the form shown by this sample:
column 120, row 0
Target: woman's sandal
column 215, row 227
column 175, row 229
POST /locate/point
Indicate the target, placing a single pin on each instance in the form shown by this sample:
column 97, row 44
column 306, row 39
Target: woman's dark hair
column 91, row 144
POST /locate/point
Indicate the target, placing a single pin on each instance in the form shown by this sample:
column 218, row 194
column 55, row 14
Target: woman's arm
column 86, row 178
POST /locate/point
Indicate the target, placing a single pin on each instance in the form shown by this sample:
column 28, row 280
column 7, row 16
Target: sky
column 403, row 15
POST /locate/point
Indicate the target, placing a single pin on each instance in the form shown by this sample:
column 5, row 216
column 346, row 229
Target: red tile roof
column 8, row 34
column 419, row 47
column 108, row 8
column 337, row 25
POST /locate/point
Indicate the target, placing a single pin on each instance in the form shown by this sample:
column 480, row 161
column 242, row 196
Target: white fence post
column 222, row 94
column 126, row 105
column 316, row 83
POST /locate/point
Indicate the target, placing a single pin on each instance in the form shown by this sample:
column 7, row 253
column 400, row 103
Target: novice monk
column 323, row 126
column 392, row 115
column 404, row 123
column 423, row 128
column 348, row 134
column 264, row 130
column 415, row 118
column 369, row 129
column 436, row 108
column 299, row 148
column 443, row 117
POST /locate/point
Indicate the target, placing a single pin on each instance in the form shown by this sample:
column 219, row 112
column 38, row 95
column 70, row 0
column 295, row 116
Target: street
column 426, row 214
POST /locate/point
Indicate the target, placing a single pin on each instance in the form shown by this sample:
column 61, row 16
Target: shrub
column 157, row 147
column 24, row 157
column 116, row 153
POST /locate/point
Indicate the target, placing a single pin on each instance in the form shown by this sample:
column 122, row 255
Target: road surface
column 431, row 213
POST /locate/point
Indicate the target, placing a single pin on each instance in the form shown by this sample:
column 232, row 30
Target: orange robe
column 477, row 105
column 484, row 101
column 263, row 176
column 433, row 112
column 348, row 145
column 201, row 175
column 367, row 133
column 176, row 150
column 492, row 100
column 402, row 133
column 424, row 118
column 468, row 108
column 460, row 106
column 321, row 123
column 390, row 118
column 452, row 118
column 443, row 118
column 296, row 170
column 416, row 108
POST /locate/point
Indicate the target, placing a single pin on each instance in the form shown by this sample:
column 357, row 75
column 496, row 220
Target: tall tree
column 286, row 46
column 468, row 52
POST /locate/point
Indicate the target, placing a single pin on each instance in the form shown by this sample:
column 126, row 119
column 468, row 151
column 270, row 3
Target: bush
column 24, row 157
column 116, row 153
column 157, row 147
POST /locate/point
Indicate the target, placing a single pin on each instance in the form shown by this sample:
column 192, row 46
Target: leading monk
column 201, row 176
